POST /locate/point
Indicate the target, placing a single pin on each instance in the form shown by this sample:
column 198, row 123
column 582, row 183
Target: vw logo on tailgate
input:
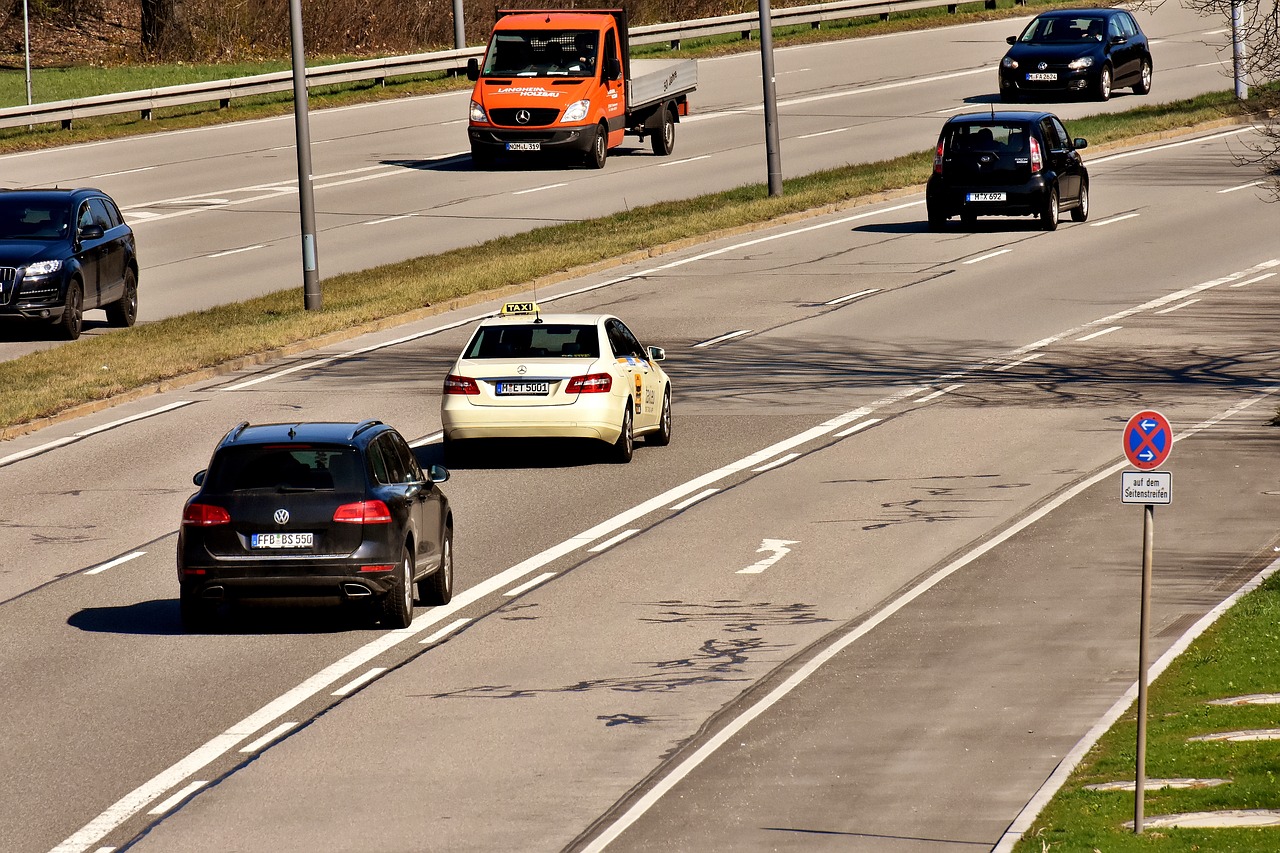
column 282, row 516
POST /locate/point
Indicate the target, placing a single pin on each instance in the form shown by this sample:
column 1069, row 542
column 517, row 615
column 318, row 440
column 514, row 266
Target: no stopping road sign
column 1148, row 438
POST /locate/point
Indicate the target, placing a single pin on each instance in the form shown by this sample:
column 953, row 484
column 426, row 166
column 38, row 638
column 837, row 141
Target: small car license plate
column 984, row 197
column 281, row 540
column 524, row 146
column 523, row 389
column 1042, row 76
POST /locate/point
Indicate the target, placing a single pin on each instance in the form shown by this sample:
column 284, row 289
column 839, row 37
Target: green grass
column 1239, row 655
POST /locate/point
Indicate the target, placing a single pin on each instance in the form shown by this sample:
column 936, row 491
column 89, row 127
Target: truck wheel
column 665, row 139
column 599, row 148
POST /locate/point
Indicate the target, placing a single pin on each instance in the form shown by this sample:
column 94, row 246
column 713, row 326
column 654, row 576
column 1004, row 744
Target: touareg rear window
column 287, row 468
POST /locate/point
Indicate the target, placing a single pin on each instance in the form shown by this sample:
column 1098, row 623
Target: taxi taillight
column 364, row 512
column 592, row 383
column 1037, row 161
column 460, row 385
column 205, row 515
column 937, row 158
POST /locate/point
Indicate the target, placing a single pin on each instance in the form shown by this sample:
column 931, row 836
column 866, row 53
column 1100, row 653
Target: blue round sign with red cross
column 1148, row 438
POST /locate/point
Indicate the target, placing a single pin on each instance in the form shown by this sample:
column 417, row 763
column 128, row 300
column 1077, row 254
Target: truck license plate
column 281, row 540
column 524, row 146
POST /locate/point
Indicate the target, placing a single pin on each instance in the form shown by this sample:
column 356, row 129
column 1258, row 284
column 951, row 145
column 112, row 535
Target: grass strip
column 45, row 383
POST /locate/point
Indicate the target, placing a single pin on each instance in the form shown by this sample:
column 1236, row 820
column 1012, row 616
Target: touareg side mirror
column 198, row 479
column 438, row 473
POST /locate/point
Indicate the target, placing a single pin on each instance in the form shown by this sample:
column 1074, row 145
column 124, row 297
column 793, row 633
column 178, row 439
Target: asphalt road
column 216, row 209
column 921, row 482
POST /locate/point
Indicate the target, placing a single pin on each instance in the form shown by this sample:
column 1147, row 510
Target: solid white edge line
column 1021, row 361
column 36, row 451
column 858, row 427
column 539, row 189
column 160, row 410
column 725, row 337
column 822, row 133
column 179, row 797
column 1253, row 280
column 781, row 460
column 444, row 632
column 645, row 802
column 111, row 564
column 1241, row 187
column 613, row 540
column 987, row 256
column 1154, row 148
column 1119, row 218
column 529, row 584
column 1176, row 307
column 427, row 439
column 268, row 737
column 386, row 219
column 72, row 439
column 248, row 383
column 1099, row 333
column 359, row 681
column 688, row 502
column 938, row 393
column 850, row 297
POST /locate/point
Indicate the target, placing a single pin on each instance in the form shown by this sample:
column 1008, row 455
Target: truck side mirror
column 612, row 69
column 473, row 69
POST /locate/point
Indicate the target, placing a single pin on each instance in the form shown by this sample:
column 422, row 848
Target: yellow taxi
column 525, row 374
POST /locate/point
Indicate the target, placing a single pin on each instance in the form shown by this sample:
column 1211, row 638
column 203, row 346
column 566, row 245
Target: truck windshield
column 541, row 53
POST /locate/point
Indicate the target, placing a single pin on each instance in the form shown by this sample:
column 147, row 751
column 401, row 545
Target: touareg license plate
column 524, row 146
column 523, row 389
column 984, row 197
column 281, row 540
column 1042, row 76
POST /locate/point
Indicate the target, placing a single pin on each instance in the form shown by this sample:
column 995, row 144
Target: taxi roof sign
column 511, row 308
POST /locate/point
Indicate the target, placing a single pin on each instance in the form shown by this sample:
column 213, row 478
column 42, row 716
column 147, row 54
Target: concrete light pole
column 311, row 298
column 774, row 156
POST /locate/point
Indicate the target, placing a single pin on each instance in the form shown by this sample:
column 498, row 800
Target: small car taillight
column 1037, row 161
column 364, row 512
column 205, row 515
column 937, row 159
column 460, row 385
column 592, row 383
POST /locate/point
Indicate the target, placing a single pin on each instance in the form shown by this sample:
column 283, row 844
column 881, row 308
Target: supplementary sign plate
column 1146, row 487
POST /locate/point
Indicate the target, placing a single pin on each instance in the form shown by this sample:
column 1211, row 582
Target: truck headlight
column 1082, row 62
column 477, row 113
column 576, row 111
column 43, row 267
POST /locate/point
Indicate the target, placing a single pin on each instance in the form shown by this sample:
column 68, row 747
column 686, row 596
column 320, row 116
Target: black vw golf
column 1076, row 52
column 1001, row 163
column 330, row 510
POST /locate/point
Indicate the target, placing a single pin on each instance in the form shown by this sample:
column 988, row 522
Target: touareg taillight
column 205, row 515
column 363, row 512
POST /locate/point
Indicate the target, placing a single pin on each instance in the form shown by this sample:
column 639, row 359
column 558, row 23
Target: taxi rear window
column 541, row 340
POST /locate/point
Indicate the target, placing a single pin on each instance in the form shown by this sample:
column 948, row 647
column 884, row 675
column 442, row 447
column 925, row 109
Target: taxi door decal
column 639, row 399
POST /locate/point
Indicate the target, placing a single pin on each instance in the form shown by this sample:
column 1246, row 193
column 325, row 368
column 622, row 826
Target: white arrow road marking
column 779, row 549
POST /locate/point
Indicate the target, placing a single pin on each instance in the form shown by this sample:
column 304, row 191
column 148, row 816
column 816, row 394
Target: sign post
column 1148, row 438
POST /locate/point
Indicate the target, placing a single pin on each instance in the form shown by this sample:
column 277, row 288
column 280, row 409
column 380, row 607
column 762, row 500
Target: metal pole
column 459, row 26
column 1238, row 50
column 1140, row 780
column 770, row 101
column 306, row 197
column 26, row 46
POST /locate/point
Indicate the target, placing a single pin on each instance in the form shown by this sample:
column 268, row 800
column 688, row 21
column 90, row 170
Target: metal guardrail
column 449, row 61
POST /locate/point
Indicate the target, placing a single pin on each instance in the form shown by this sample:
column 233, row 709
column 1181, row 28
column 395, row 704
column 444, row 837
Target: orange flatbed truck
column 563, row 80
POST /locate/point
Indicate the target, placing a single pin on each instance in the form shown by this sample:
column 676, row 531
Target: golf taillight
column 592, row 383
column 1037, row 161
column 205, row 515
column 460, row 385
column 364, row 512
column 937, row 158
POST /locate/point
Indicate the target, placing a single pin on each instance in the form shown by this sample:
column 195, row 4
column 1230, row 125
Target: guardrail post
column 66, row 124
column 145, row 115
column 224, row 103
column 746, row 35
column 675, row 44
column 951, row 8
column 989, row 4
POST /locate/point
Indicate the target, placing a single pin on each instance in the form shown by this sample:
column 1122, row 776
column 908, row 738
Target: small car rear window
column 540, row 340
column 287, row 468
column 999, row 137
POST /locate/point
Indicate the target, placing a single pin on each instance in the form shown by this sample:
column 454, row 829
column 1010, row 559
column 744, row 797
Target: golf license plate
column 984, row 197
column 524, row 146
column 281, row 540
column 523, row 389
column 1041, row 76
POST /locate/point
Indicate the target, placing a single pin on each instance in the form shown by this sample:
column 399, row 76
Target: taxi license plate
column 524, row 146
column 1042, row 76
column 523, row 389
column 984, row 197
column 281, row 540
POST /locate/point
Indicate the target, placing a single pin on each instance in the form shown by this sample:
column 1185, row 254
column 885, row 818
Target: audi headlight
column 1009, row 62
column 1082, row 62
column 477, row 113
column 43, row 267
column 576, row 111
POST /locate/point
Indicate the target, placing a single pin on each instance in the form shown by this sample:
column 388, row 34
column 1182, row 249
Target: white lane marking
column 1100, row 333
column 93, row 178
column 268, row 737
column 777, row 549
column 359, row 681
column 444, row 632
column 105, row 850
column 731, row 729
column 111, row 564
column 987, row 256
column 823, row 133
column 1253, row 280
column 141, row 216
column 386, row 219
column 688, row 502
column 858, row 427
column 540, row 189
column 178, row 797
column 610, row 542
column 852, row 296
column 72, row 439
column 1153, row 149
column 1113, row 219
column 1011, row 365
column 529, row 584
column 960, row 108
column 237, row 251
column 936, row 394
column 1215, row 32
column 1176, row 307
column 781, row 460
column 427, row 439
column 685, row 160
column 1241, row 187
column 34, row 451
column 723, row 338
column 239, row 386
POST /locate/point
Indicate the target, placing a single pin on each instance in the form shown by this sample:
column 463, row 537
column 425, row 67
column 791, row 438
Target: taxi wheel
column 397, row 604
column 662, row 437
column 437, row 588
column 625, row 446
